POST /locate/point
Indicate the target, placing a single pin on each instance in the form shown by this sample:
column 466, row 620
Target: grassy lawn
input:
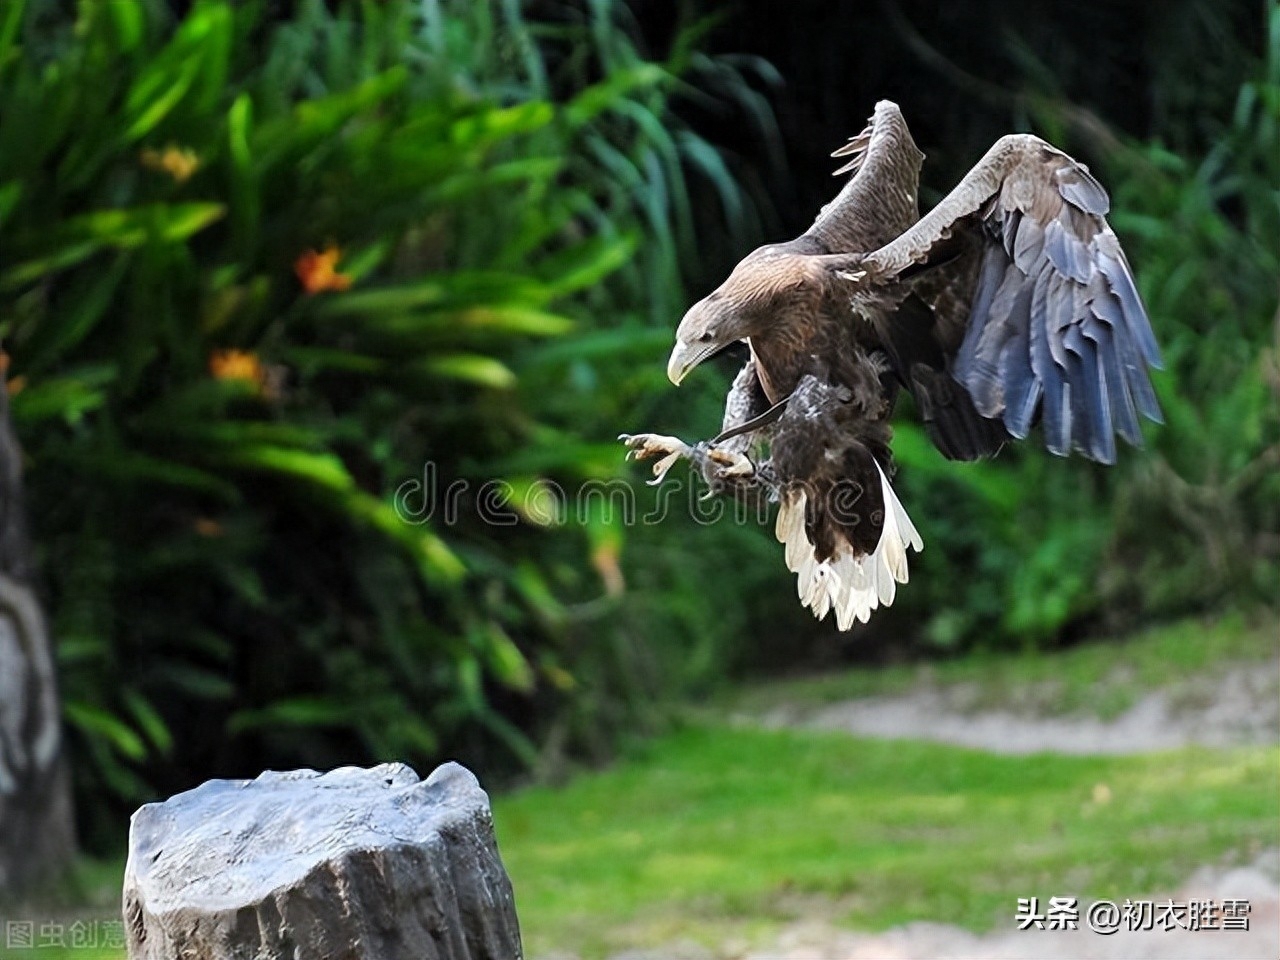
column 84, row 911
column 718, row 831
column 1103, row 678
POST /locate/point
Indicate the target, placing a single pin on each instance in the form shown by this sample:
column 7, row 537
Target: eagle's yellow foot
column 643, row 446
column 715, row 463
column 731, row 465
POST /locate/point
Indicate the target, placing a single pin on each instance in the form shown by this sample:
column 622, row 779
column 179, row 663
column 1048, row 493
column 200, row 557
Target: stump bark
column 37, row 835
column 353, row 864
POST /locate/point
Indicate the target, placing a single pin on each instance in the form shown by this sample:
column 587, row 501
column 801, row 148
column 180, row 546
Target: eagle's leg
column 731, row 464
column 716, row 464
column 737, row 473
column 725, row 465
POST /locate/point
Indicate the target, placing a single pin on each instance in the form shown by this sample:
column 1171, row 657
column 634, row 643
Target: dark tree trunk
column 37, row 837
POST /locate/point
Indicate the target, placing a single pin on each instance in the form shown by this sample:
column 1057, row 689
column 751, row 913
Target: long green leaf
column 294, row 712
column 87, row 302
column 149, row 721
column 472, row 368
column 198, row 49
column 66, row 398
column 95, row 722
column 458, row 289
column 607, row 94
column 325, row 470
column 81, row 237
column 587, row 264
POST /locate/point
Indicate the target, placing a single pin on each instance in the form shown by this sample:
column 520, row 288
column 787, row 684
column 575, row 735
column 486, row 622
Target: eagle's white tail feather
column 908, row 534
column 820, row 599
column 797, row 545
column 790, row 529
column 806, row 577
column 852, row 586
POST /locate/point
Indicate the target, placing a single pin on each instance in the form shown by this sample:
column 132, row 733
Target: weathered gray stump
column 349, row 865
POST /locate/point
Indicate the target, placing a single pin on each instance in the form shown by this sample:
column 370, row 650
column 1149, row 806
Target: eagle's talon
column 662, row 466
column 731, row 465
column 643, row 446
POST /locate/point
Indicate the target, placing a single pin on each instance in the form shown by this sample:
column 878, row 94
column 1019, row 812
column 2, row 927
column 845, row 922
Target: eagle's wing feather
column 879, row 200
column 1036, row 311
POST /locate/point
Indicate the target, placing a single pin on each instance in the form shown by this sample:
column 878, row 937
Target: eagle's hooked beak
column 704, row 330
column 686, row 356
column 681, row 362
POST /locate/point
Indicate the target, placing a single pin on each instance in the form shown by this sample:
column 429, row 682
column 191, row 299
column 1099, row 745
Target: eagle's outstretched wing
column 1035, row 311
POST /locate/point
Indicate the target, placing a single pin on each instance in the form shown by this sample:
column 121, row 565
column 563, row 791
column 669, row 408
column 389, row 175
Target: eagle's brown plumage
column 1009, row 303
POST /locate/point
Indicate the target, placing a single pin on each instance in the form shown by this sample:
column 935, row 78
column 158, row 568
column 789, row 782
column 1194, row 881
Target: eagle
column 1009, row 304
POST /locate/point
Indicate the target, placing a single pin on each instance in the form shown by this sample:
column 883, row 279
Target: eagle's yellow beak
column 686, row 356
column 681, row 362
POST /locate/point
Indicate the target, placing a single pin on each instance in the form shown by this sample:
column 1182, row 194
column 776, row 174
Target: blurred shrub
column 263, row 280
column 1031, row 546
column 1199, row 522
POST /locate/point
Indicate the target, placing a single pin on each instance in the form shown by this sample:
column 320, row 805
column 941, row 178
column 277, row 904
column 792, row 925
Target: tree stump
column 353, row 864
column 37, row 836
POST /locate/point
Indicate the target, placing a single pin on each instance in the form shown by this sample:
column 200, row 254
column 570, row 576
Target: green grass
column 715, row 831
column 90, row 897
column 1102, row 677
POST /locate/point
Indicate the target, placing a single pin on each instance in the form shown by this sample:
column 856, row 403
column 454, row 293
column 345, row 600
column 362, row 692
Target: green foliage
column 257, row 275
column 1209, row 236
column 1030, row 546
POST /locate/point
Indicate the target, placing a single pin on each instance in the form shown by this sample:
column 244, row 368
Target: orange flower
column 237, row 365
column 179, row 162
column 207, row 527
column 318, row 271
column 14, row 386
column 242, row 365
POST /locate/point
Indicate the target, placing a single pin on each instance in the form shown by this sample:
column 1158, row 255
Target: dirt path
column 1240, row 706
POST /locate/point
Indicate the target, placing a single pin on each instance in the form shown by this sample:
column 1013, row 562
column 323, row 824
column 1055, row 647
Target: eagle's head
column 770, row 289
